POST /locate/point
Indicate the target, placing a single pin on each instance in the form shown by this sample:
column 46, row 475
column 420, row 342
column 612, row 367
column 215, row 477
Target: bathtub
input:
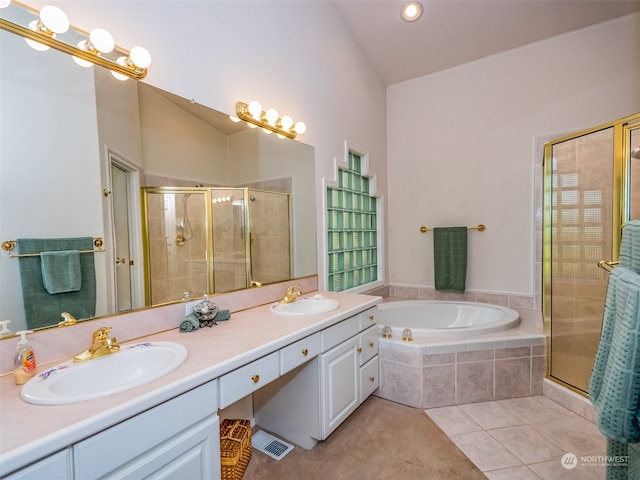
column 437, row 318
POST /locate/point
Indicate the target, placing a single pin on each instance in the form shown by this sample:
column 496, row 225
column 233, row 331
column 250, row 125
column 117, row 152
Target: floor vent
column 270, row 445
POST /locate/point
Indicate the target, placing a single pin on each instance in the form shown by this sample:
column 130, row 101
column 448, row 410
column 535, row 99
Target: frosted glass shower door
column 176, row 223
column 229, row 224
column 582, row 233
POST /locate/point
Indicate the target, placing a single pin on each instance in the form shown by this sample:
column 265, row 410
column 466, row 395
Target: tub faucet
column 293, row 292
column 101, row 345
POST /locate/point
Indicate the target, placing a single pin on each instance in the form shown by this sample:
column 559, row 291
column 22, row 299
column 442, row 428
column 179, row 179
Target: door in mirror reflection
column 120, row 210
column 634, row 173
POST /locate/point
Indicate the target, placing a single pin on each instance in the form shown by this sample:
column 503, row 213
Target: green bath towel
column 450, row 258
column 61, row 271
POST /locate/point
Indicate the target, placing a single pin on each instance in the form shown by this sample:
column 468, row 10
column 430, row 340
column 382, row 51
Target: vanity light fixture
column 51, row 28
column 269, row 120
column 411, row 11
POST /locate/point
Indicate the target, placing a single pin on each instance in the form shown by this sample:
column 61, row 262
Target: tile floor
column 524, row 439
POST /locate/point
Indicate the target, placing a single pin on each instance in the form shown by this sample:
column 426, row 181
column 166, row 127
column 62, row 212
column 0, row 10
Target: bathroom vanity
column 306, row 374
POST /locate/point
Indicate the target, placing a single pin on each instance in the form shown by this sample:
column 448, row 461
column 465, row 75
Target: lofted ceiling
column 453, row 32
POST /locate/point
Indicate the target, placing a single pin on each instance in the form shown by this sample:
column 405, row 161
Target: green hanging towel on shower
column 450, row 258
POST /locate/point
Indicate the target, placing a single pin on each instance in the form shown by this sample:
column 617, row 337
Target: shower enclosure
column 203, row 240
column 591, row 189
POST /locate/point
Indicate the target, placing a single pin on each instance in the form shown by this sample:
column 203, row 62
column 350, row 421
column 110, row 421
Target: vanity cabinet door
column 179, row 435
column 185, row 456
column 56, row 466
column 339, row 373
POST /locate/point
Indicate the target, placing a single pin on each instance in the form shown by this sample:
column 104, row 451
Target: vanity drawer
column 369, row 378
column 368, row 318
column 245, row 380
column 368, row 344
column 340, row 332
column 297, row 353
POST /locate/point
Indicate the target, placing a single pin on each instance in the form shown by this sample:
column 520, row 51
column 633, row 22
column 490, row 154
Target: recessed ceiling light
column 411, row 11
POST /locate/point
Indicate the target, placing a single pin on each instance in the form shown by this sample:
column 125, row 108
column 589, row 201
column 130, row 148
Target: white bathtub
column 437, row 318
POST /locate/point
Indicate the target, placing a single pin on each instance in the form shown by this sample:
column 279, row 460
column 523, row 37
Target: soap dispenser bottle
column 25, row 364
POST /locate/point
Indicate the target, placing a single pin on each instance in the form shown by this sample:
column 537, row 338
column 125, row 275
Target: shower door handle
column 121, row 261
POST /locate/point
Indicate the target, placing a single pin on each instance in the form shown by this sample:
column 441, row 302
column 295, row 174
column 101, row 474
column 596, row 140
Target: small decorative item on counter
column 190, row 323
column 206, row 312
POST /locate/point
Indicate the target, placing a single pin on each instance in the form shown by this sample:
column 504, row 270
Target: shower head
column 636, row 153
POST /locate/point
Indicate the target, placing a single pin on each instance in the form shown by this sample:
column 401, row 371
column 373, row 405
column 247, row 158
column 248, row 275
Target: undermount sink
column 306, row 306
column 135, row 364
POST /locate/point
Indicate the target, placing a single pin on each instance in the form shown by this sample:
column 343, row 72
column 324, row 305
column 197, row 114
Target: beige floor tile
column 484, row 451
column 490, row 415
column 536, row 409
column 527, row 444
column 452, row 420
column 555, row 471
column 574, row 434
column 512, row 473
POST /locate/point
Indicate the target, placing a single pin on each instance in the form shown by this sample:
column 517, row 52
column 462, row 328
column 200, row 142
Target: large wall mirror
column 77, row 149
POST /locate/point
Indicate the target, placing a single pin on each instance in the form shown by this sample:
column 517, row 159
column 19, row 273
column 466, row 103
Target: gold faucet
column 293, row 292
column 68, row 320
column 101, row 345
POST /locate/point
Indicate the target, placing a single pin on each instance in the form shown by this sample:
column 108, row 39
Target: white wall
column 296, row 56
column 460, row 146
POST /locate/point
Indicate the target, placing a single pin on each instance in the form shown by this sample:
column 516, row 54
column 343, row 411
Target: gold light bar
column 263, row 120
column 126, row 68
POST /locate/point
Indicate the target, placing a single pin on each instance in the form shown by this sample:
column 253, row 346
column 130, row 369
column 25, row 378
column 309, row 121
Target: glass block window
column 352, row 229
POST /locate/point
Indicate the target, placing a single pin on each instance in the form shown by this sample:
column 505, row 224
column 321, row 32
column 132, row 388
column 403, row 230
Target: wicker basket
column 235, row 448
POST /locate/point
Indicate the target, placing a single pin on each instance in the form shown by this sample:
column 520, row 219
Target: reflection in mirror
column 76, row 147
column 634, row 174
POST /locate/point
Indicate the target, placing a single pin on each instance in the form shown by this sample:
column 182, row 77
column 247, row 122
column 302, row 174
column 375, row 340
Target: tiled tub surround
column 441, row 371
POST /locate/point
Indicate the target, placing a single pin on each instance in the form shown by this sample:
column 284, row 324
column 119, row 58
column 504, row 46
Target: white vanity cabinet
column 346, row 368
column 175, row 440
column 56, row 466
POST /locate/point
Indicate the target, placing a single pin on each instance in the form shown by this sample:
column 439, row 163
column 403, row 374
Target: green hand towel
column 222, row 315
column 61, row 271
column 190, row 323
column 450, row 258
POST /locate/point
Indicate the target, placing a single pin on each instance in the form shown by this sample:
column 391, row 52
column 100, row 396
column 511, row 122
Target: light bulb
column 119, row 76
column 32, row 43
column 140, row 57
column 102, row 40
column 286, row 122
column 300, row 128
column 5, row 3
column 272, row 116
column 54, row 19
column 234, row 119
column 80, row 61
column 411, row 11
column 267, row 131
column 255, row 109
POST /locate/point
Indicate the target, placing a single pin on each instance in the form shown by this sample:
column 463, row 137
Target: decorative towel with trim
column 614, row 387
column 61, row 271
column 630, row 246
column 450, row 258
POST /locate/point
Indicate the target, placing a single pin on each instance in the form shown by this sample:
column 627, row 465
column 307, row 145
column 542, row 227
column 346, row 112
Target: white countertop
column 29, row 432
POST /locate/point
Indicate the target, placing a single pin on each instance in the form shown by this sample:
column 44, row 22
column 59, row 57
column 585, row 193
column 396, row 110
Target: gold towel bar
column 11, row 244
column 480, row 228
column 608, row 266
